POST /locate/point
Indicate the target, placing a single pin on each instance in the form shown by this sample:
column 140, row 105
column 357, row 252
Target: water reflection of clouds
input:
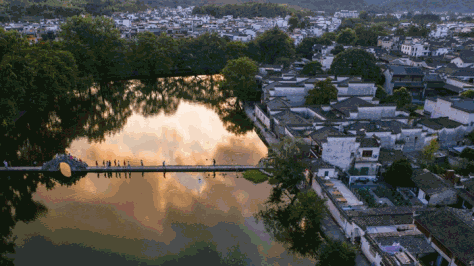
column 152, row 208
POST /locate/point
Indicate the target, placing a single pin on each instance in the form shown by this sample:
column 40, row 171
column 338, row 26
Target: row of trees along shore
column 90, row 51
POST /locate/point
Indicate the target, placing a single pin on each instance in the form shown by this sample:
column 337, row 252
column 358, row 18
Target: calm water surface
column 149, row 219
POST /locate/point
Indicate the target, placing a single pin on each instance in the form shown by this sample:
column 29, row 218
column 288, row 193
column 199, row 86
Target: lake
column 152, row 219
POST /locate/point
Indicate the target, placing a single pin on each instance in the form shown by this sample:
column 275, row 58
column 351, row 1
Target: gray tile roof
column 464, row 72
column 430, row 183
column 350, row 104
column 288, row 117
column 414, row 242
column 277, row 103
column 464, row 105
column 405, row 70
column 389, row 156
column 439, row 123
column 385, row 216
column 469, row 184
column 378, row 126
column 321, row 134
column 453, row 88
column 369, row 142
column 433, row 77
column 453, row 228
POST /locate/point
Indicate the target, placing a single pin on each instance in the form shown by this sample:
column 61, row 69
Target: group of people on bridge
column 108, row 163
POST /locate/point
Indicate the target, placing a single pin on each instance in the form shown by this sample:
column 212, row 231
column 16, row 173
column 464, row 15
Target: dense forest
column 422, row 5
column 16, row 9
column 250, row 10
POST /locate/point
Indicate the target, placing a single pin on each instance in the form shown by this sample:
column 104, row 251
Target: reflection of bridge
column 140, row 169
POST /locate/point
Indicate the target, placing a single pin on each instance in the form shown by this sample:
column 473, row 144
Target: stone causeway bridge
column 139, row 169
column 78, row 167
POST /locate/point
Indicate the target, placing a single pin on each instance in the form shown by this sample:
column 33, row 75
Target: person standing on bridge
column 97, row 163
column 124, row 163
column 214, row 162
column 5, row 163
column 163, row 163
column 141, row 162
column 103, row 163
column 128, row 164
column 118, row 163
column 115, row 162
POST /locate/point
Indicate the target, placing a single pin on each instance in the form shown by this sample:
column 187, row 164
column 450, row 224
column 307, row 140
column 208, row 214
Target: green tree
column 400, row 96
column 11, row 42
column 368, row 36
column 335, row 253
column 468, row 94
column 304, row 23
column 468, row 154
column 364, row 15
column 239, row 78
column 399, row 174
column 322, row 93
column 347, row 37
column 305, row 47
column 470, row 136
column 39, row 79
column 329, row 35
column 292, row 23
column 150, row 57
column 380, row 94
column 400, row 31
column 337, row 49
column 94, row 43
column 429, row 150
column 236, row 49
column 296, row 225
column 357, row 62
column 312, row 68
column 275, row 44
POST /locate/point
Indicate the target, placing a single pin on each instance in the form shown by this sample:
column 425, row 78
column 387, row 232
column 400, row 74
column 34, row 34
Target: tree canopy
column 94, row 43
column 468, row 94
column 312, row 68
column 429, row 150
column 400, row 96
column 347, row 37
column 335, row 253
column 305, row 47
column 337, row 49
column 356, row 62
column 239, row 78
column 399, row 174
column 273, row 45
column 467, row 153
column 322, row 93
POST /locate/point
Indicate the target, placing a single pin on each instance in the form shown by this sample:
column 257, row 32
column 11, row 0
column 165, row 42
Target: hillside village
column 355, row 138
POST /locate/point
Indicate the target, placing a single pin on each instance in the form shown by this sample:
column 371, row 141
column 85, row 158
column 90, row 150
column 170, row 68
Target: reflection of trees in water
column 102, row 111
column 165, row 94
column 18, row 205
column 156, row 96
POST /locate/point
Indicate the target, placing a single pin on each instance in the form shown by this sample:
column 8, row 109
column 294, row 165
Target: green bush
column 367, row 197
column 255, row 176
